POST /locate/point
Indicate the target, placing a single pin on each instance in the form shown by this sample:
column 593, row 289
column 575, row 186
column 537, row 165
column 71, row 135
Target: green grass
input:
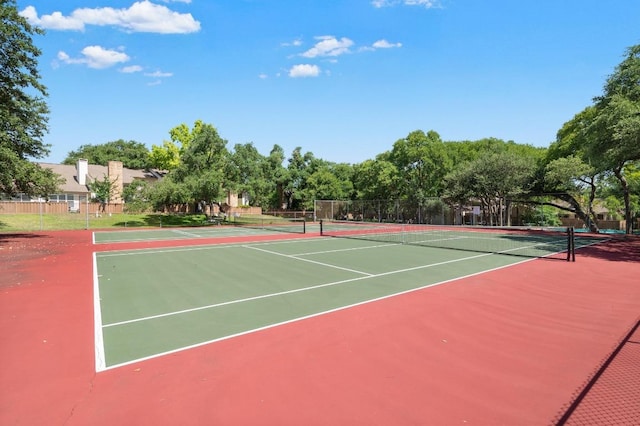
column 70, row 221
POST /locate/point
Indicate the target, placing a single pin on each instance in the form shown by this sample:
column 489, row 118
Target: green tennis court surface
column 153, row 302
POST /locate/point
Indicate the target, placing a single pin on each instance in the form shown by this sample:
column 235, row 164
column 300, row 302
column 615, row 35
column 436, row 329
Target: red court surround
column 513, row 346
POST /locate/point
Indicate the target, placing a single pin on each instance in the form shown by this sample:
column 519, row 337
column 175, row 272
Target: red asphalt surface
column 515, row 346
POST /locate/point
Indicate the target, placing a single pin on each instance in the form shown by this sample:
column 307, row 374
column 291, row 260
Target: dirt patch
column 23, row 253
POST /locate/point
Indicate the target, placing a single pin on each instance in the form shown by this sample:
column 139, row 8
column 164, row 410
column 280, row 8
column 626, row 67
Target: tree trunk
column 627, row 201
column 591, row 216
column 593, row 226
column 575, row 208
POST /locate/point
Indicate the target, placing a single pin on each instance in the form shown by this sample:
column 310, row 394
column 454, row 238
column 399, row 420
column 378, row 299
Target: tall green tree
column 376, row 179
column 167, row 156
column 328, row 181
column 248, row 174
column 422, row 161
column 204, row 167
column 134, row 155
column 568, row 173
column 298, row 170
column 493, row 178
column 23, row 109
column 276, row 173
column 615, row 130
column 572, row 180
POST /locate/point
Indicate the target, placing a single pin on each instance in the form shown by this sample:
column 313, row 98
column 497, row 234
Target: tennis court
column 158, row 301
column 278, row 328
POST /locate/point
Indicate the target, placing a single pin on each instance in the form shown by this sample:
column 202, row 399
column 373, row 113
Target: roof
column 69, row 174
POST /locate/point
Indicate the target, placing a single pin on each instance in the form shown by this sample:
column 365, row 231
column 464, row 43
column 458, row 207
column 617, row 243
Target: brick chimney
column 82, row 170
column 114, row 172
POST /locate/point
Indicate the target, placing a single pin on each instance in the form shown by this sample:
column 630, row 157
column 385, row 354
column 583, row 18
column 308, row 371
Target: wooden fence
column 618, row 225
column 35, row 207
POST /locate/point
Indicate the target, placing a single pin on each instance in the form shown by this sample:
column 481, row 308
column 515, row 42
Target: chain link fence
column 432, row 211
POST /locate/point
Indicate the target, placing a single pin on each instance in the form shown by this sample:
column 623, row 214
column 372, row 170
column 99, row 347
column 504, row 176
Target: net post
column 321, row 229
column 304, row 225
column 571, row 251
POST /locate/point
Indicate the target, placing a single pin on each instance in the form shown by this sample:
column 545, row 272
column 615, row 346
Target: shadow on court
column 619, row 249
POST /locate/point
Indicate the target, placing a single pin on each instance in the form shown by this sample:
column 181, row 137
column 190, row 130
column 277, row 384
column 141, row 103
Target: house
column 75, row 188
column 78, row 177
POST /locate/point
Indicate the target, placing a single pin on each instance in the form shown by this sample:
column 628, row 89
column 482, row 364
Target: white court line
column 298, row 290
column 219, row 339
column 208, row 246
column 189, row 234
column 203, row 233
column 439, row 239
column 97, row 320
column 99, row 342
column 291, row 256
column 346, row 249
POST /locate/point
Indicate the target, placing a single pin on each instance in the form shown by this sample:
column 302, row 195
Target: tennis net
column 271, row 223
column 538, row 242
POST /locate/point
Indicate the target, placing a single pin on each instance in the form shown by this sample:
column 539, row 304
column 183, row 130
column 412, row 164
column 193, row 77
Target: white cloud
column 95, row 57
column 304, row 70
column 131, row 69
column 426, row 3
column 159, row 74
column 384, row 44
column 55, row 21
column 141, row 16
column 329, row 46
column 297, row 42
column 263, row 76
column 387, row 3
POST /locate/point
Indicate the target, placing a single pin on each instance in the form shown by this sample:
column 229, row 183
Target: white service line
column 297, row 290
column 346, row 249
column 97, row 320
column 319, row 313
column 290, row 256
column 189, row 234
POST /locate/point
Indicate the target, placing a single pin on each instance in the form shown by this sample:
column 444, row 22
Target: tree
column 102, row 190
column 275, row 172
column 422, row 162
column 567, row 172
column 569, row 177
column 376, row 179
column 615, row 130
column 492, row 179
column 23, row 109
column 132, row 154
column 137, row 196
column 203, row 167
column 247, row 174
column 328, row 181
column 169, row 195
column 167, row 156
column 294, row 186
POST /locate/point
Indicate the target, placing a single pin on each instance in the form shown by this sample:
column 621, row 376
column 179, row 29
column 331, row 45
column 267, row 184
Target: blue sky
column 342, row 79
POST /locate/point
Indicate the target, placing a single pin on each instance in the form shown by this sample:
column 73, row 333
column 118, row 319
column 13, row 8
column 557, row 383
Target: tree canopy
column 134, row 155
column 615, row 129
column 23, row 109
column 595, row 156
